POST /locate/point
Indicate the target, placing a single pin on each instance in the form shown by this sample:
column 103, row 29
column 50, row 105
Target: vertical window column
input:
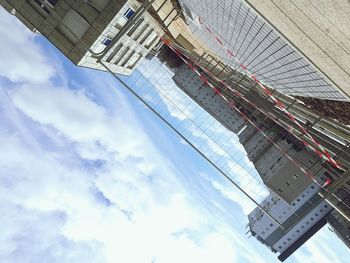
column 122, row 54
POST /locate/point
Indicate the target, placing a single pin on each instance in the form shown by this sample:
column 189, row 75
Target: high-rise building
column 194, row 87
column 277, row 171
column 319, row 30
column 339, row 219
column 300, row 221
column 88, row 31
column 84, row 30
column 267, row 54
column 294, row 200
column 340, row 226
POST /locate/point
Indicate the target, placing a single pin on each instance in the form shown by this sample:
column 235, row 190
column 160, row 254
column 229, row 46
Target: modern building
column 294, row 200
column 89, row 32
column 340, row 226
column 339, row 219
column 194, row 87
column 318, row 29
column 300, row 221
column 84, row 30
column 277, row 171
column 272, row 58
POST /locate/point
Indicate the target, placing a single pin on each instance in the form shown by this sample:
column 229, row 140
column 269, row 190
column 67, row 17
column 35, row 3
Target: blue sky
column 88, row 174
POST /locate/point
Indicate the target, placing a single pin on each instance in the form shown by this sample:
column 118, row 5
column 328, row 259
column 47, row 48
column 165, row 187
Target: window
column 146, row 36
column 311, row 162
column 121, row 55
column 128, row 14
column 127, row 59
column 133, row 29
column 136, row 60
column 142, row 30
column 46, row 4
column 52, row 2
column 107, row 41
column 328, row 175
column 114, row 52
column 43, row 8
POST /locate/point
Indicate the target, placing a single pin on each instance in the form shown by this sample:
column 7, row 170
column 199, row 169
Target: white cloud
column 19, row 53
column 323, row 247
column 46, row 183
column 232, row 193
column 132, row 201
column 60, row 209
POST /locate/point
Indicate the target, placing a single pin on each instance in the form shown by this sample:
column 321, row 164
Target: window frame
column 127, row 12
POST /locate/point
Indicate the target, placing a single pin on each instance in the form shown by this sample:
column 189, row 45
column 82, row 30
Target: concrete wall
column 128, row 52
column 75, row 26
column 54, row 23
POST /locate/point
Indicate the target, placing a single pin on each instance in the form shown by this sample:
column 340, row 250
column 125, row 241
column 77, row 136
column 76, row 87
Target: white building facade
column 297, row 218
column 83, row 30
column 127, row 53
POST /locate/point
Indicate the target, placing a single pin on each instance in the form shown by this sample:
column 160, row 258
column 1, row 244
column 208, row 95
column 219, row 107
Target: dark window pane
column 106, row 41
column 128, row 14
column 52, row 2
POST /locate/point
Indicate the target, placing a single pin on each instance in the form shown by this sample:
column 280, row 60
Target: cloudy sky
column 88, row 174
